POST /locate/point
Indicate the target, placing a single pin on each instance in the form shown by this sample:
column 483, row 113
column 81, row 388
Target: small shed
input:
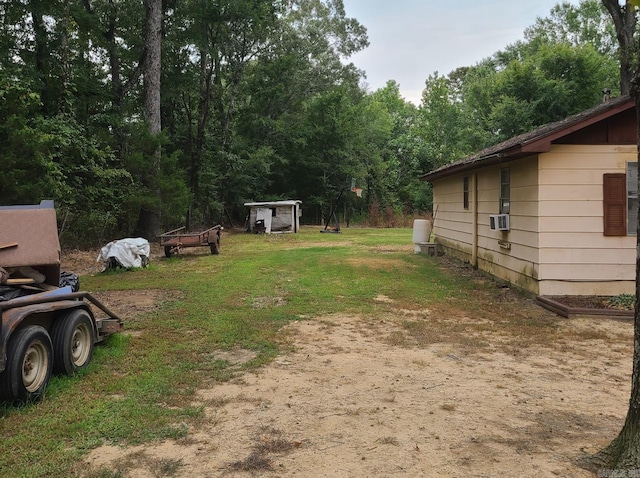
column 274, row 217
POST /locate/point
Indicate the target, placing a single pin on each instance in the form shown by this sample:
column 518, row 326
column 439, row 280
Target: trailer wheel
column 73, row 340
column 28, row 366
column 168, row 251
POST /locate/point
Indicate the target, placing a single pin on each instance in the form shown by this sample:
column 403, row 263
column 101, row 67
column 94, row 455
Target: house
column 553, row 211
column 276, row 216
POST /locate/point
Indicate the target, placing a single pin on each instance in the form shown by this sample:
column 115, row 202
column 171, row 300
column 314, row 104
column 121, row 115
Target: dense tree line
column 257, row 102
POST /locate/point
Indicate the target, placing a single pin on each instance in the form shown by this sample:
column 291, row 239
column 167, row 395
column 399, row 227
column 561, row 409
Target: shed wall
column 284, row 218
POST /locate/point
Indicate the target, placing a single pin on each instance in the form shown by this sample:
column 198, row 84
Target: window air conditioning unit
column 499, row 222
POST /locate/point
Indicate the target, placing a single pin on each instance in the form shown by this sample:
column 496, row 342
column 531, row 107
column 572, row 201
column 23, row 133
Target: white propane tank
column 421, row 233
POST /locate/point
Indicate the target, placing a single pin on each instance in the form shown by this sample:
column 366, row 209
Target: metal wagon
column 173, row 241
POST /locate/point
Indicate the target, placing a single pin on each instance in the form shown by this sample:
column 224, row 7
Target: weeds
column 270, row 441
column 254, row 462
column 622, row 301
column 166, row 467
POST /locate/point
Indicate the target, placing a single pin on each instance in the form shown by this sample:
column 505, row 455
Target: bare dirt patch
column 81, row 262
column 370, row 396
column 133, row 304
column 443, row 392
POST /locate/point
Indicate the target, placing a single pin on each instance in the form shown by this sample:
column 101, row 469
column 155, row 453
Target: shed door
column 264, row 213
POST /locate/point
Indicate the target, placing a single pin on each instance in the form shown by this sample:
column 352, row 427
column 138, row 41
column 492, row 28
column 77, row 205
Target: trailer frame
column 173, row 241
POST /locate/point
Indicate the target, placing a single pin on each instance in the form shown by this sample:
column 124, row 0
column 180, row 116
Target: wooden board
column 19, row 281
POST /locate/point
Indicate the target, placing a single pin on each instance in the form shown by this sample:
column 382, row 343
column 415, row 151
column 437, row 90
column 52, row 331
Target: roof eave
column 537, row 145
column 461, row 168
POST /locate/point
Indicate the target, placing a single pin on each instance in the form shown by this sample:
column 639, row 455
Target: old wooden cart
column 175, row 240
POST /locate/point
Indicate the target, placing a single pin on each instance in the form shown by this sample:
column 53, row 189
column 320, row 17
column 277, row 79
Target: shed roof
column 533, row 142
column 291, row 202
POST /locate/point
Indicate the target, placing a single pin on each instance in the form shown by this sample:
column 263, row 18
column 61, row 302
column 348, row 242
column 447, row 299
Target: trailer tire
column 168, row 251
column 28, row 366
column 73, row 339
column 215, row 247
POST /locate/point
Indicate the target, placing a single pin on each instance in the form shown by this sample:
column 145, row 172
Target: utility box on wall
column 499, row 222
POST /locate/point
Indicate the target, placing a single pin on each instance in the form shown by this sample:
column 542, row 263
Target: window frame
column 504, row 205
column 465, row 192
column 632, row 197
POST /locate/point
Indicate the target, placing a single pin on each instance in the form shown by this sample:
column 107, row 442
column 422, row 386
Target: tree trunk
column 623, row 453
column 204, row 106
column 624, row 20
column 153, row 43
column 41, row 54
column 114, row 59
column 119, row 86
column 149, row 219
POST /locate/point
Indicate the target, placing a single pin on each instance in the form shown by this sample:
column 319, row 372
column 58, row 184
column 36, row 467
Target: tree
column 577, row 25
column 623, row 453
column 442, row 123
column 403, row 151
column 239, row 76
column 149, row 219
column 529, row 86
column 624, row 20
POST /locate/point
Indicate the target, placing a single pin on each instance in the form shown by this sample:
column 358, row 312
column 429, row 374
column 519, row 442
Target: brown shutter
column 615, row 204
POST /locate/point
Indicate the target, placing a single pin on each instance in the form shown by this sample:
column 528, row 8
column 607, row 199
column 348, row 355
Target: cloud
column 412, row 39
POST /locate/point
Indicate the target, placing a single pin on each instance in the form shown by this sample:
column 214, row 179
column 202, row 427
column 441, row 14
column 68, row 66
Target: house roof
column 533, row 142
column 291, row 202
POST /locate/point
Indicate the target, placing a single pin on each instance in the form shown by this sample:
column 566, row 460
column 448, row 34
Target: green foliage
column 441, row 122
column 622, row 301
column 28, row 173
column 259, row 101
column 543, row 85
column 585, row 23
column 165, row 190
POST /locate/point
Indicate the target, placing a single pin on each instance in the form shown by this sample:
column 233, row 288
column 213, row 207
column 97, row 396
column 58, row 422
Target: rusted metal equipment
column 45, row 329
column 174, row 241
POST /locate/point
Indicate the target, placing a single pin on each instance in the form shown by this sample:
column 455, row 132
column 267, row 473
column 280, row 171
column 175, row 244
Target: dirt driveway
column 371, row 396
column 449, row 392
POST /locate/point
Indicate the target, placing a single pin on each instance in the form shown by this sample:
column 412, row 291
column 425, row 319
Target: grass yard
column 197, row 323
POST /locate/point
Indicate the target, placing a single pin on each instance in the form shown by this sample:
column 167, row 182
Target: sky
column 412, row 39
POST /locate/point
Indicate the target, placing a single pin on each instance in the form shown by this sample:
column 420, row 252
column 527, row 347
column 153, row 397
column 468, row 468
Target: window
column 505, row 191
column 632, row 198
column 465, row 192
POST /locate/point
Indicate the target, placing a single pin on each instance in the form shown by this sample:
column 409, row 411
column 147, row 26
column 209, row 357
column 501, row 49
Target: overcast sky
column 412, row 39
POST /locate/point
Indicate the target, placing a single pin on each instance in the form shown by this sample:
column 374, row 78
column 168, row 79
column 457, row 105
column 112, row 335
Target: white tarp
column 129, row 252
